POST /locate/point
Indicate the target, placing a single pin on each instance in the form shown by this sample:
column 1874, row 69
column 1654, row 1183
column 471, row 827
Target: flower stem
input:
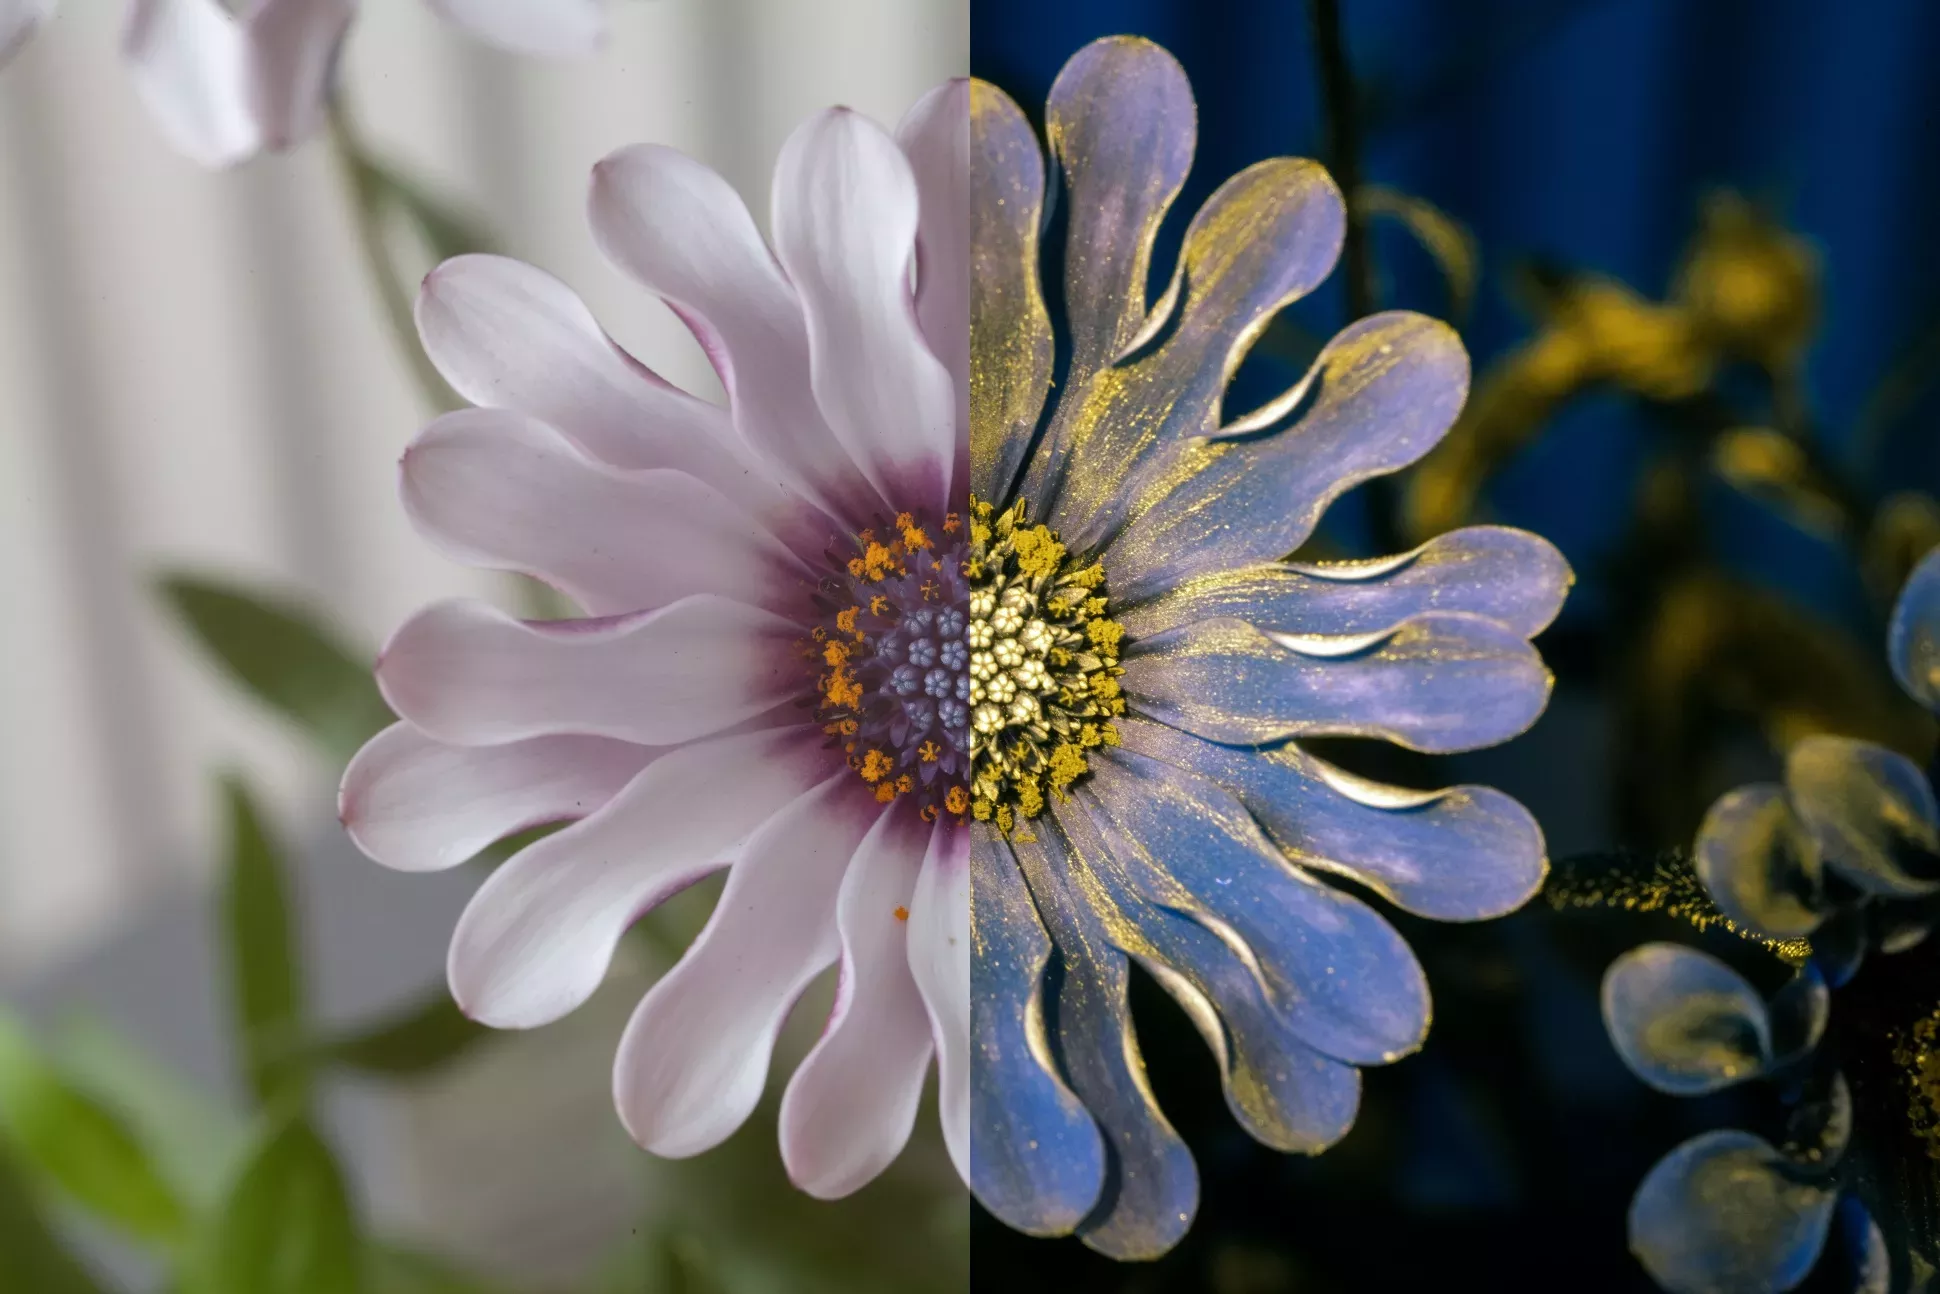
column 364, row 185
column 1343, row 141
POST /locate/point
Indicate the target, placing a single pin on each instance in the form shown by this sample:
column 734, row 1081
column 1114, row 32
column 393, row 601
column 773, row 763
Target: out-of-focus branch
column 365, row 185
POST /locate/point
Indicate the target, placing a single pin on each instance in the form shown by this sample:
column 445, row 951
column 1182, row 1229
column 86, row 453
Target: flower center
column 1043, row 684
column 888, row 641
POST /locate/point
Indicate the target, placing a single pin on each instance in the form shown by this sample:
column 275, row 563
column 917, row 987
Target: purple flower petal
column 1442, row 683
column 1381, row 395
column 1010, row 330
column 1683, row 1021
column 1344, row 981
column 1757, row 864
column 1512, row 577
column 1037, row 1161
column 1723, row 1213
column 1151, row 1187
column 1283, row 1092
column 1870, row 812
column 1461, row 854
column 1913, row 637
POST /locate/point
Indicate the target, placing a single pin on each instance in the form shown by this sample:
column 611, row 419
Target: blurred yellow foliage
column 1746, row 290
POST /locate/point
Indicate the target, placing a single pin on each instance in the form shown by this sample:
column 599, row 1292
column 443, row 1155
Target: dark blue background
column 1585, row 133
column 1582, row 134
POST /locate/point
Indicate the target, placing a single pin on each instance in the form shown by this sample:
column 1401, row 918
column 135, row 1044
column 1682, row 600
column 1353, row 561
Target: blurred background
column 199, row 384
column 1687, row 245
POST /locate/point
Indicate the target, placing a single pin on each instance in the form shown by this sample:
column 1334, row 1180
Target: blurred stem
column 1341, row 123
column 362, row 182
column 1342, row 126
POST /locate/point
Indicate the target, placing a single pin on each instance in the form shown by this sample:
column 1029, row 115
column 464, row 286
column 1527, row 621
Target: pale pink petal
column 939, row 961
column 291, row 56
column 189, row 63
column 420, row 806
column 845, row 217
column 936, row 138
column 497, row 489
column 537, row 938
column 19, row 19
column 849, row 1108
column 682, row 231
column 550, row 28
column 509, row 336
column 469, row 674
column 694, row 1058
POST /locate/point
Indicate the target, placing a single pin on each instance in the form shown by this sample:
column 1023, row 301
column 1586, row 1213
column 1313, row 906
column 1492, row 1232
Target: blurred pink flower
column 18, row 21
column 224, row 87
column 766, row 681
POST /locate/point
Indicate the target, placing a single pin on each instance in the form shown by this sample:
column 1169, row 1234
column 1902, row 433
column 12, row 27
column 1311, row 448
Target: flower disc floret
column 889, row 652
column 1043, row 682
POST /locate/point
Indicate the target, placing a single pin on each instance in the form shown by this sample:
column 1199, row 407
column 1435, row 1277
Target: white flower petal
column 935, row 136
column 19, row 19
column 694, row 1058
column 468, row 674
column 939, row 959
column 290, row 56
column 683, row 232
column 849, row 1108
column 497, row 489
column 538, row 936
column 420, row 806
column 845, row 222
column 550, row 28
column 190, row 64
column 509, row 336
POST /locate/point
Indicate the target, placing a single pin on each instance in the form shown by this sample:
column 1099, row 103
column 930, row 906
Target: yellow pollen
column 876, row 766
column 1043, row 665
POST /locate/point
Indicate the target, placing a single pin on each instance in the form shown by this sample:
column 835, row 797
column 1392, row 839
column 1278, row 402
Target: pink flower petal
column 845, row 225
column 538, row 936
column 939, row 960
column 694, row 1058
column 19, row 19
column 550, row 28
column 935, row 136
column 497, row 489
column 509, row 336
column 849, row 1108
column 188, row 59
column 291, row 54
column 468, row 674
column 411, row 803
column 681, row 230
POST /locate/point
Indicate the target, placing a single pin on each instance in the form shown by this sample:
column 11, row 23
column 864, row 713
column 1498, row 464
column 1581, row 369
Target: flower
column 1143, row 665
column 225, row 86
column 1727, row 1212
column 1844, row 852
column 770, row 679
column 19, row 19
column 1847, row 847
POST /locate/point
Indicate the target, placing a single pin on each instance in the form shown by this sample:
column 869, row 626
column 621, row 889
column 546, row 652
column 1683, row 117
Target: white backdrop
column 194, row 371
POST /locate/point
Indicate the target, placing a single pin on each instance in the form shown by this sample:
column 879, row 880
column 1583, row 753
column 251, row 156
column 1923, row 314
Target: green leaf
column 286, row 1227
column 285, row 658
column 31, row 1256
column 404, row 1271
column 265, row 978
column 79, row 1146
column 414, row 1041
column 196, row 1141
